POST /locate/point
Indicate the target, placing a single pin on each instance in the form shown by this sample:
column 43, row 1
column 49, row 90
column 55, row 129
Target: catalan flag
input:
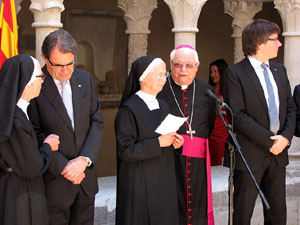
column 8, row 31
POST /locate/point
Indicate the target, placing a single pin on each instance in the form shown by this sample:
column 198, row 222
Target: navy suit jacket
column 244, row 94
column 48, row 115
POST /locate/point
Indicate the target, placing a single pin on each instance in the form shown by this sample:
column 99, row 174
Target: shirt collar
column 58, row 82
column 255, row 63
column 183, row 87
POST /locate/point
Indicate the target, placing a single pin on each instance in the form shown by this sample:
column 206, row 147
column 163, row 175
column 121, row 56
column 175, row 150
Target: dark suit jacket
column 244, row 94
column 296, row 97
column 48, row 115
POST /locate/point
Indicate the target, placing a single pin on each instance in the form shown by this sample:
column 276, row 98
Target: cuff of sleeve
column 87, row 159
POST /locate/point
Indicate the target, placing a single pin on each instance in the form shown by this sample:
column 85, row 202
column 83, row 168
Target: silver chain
column 192, row 113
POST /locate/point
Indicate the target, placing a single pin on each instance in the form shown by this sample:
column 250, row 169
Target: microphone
column 219, row 101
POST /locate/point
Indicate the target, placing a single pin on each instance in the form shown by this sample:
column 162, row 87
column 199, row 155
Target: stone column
column 242, row 12
column 47, row 16
column 137, row 16
column 185, row 14
column 289, row 11
column 17, row 5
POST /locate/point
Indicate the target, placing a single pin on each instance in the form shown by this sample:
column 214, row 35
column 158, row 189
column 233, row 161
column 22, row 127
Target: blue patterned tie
column 67, row 99
column 273, row 111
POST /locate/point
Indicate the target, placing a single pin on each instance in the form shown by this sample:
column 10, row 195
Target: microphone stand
column 232, row 147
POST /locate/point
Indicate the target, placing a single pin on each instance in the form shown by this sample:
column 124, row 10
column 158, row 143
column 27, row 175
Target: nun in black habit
column 22, row 200
column 146, row 184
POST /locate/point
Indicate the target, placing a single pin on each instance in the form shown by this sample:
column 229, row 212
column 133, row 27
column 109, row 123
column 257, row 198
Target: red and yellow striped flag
column 8, row 31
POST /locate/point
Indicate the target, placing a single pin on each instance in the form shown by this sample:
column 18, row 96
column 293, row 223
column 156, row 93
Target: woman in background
column 218, row 137
column 22, row 200
column 146, row 183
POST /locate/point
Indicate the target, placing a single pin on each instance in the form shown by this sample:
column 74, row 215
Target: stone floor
column 106, row 198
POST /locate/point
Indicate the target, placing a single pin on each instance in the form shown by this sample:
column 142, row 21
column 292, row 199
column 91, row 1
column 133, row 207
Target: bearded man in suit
column 68, row 106
column 259, row 94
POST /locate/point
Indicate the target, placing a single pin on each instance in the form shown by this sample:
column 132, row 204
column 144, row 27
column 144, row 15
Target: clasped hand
column 171, row 139
column 74, row 170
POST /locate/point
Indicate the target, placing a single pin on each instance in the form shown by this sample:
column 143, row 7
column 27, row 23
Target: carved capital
column 289, row 11
column 47, row 13
column 137, row 14
column 185, row 14
column 242, row 12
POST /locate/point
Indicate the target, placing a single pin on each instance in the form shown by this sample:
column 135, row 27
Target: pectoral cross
column 191, row 132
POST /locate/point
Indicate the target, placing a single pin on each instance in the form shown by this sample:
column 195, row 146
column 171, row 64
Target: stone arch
column 85, row 56
column 86, row 60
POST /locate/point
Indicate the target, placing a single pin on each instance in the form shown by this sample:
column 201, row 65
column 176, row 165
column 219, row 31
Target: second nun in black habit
column 22, row 199
column 146, row 183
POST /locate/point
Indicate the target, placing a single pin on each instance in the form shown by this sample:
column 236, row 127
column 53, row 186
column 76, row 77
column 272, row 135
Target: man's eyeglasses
column 273, row 39
column 61, row 66
column 43, row 76
column 181, row 65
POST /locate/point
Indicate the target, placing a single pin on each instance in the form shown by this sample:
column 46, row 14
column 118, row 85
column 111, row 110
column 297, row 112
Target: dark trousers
column 271, row 180
column 77, row 209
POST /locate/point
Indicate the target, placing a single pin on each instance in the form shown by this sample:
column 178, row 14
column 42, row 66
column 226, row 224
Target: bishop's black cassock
column 192, row 173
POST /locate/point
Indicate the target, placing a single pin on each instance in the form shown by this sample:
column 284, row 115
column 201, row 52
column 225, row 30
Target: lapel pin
column 79, row 85
column 275, row 69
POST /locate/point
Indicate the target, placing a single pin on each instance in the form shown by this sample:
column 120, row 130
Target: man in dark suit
column 68, row 107
column 264, row 122
column 296, row 97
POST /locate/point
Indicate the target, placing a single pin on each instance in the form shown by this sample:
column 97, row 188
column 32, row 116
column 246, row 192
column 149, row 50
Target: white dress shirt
column 260, row 74
column 69, row 89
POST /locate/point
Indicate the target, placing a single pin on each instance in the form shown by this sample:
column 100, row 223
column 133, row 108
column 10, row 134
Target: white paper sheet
column 170, row 124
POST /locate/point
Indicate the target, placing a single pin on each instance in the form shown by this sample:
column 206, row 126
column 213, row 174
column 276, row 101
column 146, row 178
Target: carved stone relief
column 102, row 49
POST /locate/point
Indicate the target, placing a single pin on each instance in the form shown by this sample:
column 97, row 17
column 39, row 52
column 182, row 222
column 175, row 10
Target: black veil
column 14, row 76
column 137, row 69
